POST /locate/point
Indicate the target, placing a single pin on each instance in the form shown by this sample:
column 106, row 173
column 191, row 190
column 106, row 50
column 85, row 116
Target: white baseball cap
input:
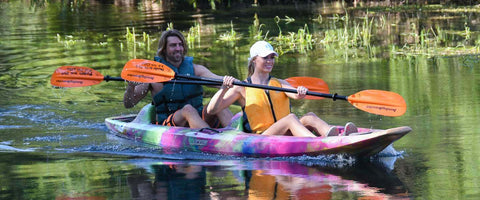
column 261, row 48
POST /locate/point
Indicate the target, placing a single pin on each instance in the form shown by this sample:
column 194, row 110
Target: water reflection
column 170, row 182
column 265, row 179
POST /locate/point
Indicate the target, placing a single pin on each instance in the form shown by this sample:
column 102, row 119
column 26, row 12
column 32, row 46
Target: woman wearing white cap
column 268, row 112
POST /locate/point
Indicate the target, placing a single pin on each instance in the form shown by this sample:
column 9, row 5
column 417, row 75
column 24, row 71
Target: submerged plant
column 277, row 20
column 130, row 36
column 360, row 37
column 318, row 19
column 68, row 41
column 366, row 32
column 212, row 3
column 255, row 29
column 288, row 19
column 230, row 37
column 356, row 35
column 132, row 43
column 301, row 41
column 170, row 26
column 467, row 33
column 193, row 36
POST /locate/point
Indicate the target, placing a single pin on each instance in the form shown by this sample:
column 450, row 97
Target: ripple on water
column 14, row 126
column 54, row 138
column 43, row 115
column 5, row 147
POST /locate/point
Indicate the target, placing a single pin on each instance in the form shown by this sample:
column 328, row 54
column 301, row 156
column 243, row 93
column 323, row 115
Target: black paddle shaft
column 266, row 87
column 109, row 78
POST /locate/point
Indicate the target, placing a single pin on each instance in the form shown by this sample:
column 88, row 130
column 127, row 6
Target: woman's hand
column 228, row 82
column 302, row 92
column 223, row 97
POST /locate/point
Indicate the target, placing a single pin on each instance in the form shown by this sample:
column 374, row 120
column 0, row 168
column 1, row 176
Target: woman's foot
column 333, row 131
column 350, row 128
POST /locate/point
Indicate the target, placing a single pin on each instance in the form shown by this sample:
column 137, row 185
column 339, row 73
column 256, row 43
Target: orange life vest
column 264, row 107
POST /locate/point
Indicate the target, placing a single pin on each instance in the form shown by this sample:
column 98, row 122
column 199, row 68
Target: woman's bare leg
column 313, row 122
column 288, row 123
column 224, row 117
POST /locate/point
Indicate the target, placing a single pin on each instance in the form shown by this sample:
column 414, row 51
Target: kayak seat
column 146, row 115
column 237, row 121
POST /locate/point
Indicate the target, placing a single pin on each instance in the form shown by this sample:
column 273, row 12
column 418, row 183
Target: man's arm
column 135, row 93
column 202, row 71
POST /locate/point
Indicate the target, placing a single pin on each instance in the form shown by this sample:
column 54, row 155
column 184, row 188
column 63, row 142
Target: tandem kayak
column 232, row 141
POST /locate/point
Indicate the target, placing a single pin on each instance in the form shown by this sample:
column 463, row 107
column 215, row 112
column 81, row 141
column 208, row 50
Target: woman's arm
column 301, row 91
column 224, row 97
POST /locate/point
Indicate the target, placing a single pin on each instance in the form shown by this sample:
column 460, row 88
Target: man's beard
column 176, row 57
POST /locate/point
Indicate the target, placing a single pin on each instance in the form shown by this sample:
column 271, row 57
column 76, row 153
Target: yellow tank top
column 259, row 104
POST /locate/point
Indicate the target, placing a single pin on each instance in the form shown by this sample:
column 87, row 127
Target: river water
column 54, row 144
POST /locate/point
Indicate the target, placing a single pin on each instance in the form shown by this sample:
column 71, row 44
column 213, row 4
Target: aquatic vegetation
column 193, row 36
column 195, row 3
column 130, row 36
column 131, row 42
column 355, row 38
column 355, row 32
column 301, row 41
column 255, row 30
column 318, row 19
column 349, row 37
column 230, row 37
column 436, row 41
column 287, row 19
column 467, row 33
column 170, row 26
column 68, row 41
column 359, row 33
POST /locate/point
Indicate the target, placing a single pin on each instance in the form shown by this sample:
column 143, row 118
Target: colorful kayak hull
column 230, row 141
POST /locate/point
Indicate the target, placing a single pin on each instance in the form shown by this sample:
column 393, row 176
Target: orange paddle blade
column 74, row 76
column 313, row 84
column 146, row 71
column 379, row 102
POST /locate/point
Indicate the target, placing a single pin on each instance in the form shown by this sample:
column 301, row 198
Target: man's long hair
column 162, row 44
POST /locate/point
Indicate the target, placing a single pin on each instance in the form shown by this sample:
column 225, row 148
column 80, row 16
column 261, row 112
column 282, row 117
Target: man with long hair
column 177, row 104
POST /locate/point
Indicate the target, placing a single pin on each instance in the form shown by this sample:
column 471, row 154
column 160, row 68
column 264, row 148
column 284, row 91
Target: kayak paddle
column 75, row 76
column 373, row 101
column 313, row 84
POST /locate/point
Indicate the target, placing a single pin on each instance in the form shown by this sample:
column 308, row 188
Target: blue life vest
column 173, row 96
